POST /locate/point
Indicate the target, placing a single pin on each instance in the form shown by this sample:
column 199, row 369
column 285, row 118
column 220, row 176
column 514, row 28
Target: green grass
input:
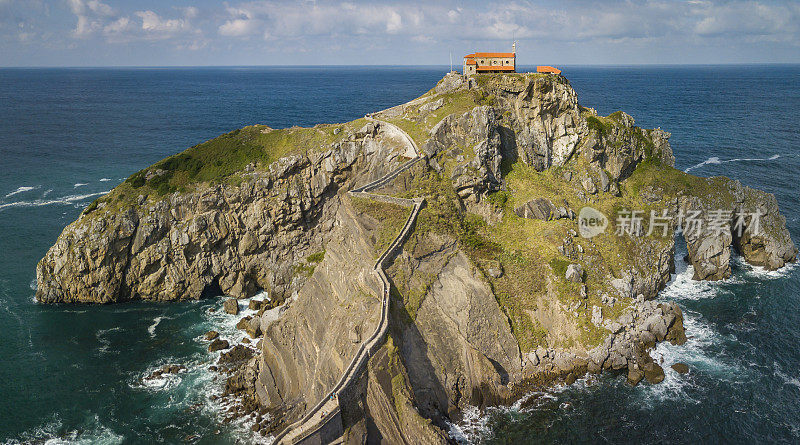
column 392, row 218
column 221, row 157
column 316, row 257
column 559, row 266
column 598, row 124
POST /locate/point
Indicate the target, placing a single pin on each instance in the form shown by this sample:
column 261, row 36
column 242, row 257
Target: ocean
column 74, row 374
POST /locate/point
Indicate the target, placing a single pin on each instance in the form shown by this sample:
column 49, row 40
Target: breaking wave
column 715, row 160
column 65, row 200
column 22, row 189
column 54, row 433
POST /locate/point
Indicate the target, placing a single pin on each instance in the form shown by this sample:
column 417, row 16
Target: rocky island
column 489, row 237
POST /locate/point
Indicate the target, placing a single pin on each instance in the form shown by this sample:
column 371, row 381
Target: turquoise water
column 73, row 373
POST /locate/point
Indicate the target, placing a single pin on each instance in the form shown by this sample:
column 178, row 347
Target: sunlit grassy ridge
column 221, row 160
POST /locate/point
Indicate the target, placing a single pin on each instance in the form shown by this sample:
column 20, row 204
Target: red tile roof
column 547, row 69
column 471, row 62
column 473, row 55
column 495, row 68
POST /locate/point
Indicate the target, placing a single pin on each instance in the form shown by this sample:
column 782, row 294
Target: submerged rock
column 231, row 306
column 166, row 369
column 680, row 368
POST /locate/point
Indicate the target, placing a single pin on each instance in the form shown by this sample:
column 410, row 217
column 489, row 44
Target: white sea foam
column 716, row 160
column 760, row 272
column 79, row 184
column 198, row 383
column 473, row 426
column 700, row 337
column 152, row 328
column 52, row 433
column 164, row 382
column 65, row 200
column 788, row 380
column 105, row 179
column 46, row 192
column 22, row 189
column 105, row 343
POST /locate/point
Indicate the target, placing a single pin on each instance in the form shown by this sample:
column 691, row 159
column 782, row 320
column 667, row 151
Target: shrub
column 316, row 257
column 137, row 179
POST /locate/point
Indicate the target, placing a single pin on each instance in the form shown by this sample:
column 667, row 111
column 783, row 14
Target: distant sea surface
column 74, row 373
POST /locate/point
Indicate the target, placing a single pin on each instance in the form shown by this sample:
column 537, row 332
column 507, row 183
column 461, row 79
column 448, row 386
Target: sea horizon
column 455, row 65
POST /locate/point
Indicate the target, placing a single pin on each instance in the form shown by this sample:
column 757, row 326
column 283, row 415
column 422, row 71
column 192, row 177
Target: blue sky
column 205, row 32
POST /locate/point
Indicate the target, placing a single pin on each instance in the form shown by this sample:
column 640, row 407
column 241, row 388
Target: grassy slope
column 221, row 160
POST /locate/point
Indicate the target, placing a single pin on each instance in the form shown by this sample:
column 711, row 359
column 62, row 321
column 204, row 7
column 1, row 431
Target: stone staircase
column 327, row 410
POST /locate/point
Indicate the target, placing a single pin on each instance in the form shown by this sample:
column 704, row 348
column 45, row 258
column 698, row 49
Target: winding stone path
column 328, row 408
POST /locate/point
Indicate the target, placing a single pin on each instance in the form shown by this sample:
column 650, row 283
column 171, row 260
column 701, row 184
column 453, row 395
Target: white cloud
column 153, row 23
column 330, row 28
column 240, row 24
column 122, row 24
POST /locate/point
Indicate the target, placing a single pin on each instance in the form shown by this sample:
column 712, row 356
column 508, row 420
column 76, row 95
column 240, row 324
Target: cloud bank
column 402, row 32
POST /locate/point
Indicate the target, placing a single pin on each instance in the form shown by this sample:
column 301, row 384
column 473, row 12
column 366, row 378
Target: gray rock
column 589, row 186
column 574, row 273
column 432, row 106
column 354, row 336
column 450, row 82
column 603, row 181
column 597, row 316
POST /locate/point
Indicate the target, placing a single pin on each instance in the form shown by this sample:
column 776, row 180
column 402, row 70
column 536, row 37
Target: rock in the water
column 211, row 335
column 231, row 306
column 244, row 323
column 237, row 354
column 574, row 273
column 218, row 344
column 166, row 369
column 635, row 375
column 253, row 327
column 680, row 368
column 653, row 372
column 254, row 304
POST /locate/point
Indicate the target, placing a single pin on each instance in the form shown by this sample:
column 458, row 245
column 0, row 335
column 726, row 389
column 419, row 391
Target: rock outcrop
column 493, row 293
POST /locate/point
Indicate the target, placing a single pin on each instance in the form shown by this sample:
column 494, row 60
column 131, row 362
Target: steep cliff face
column 494, row 290
column 235, row 238
column 308, row 347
